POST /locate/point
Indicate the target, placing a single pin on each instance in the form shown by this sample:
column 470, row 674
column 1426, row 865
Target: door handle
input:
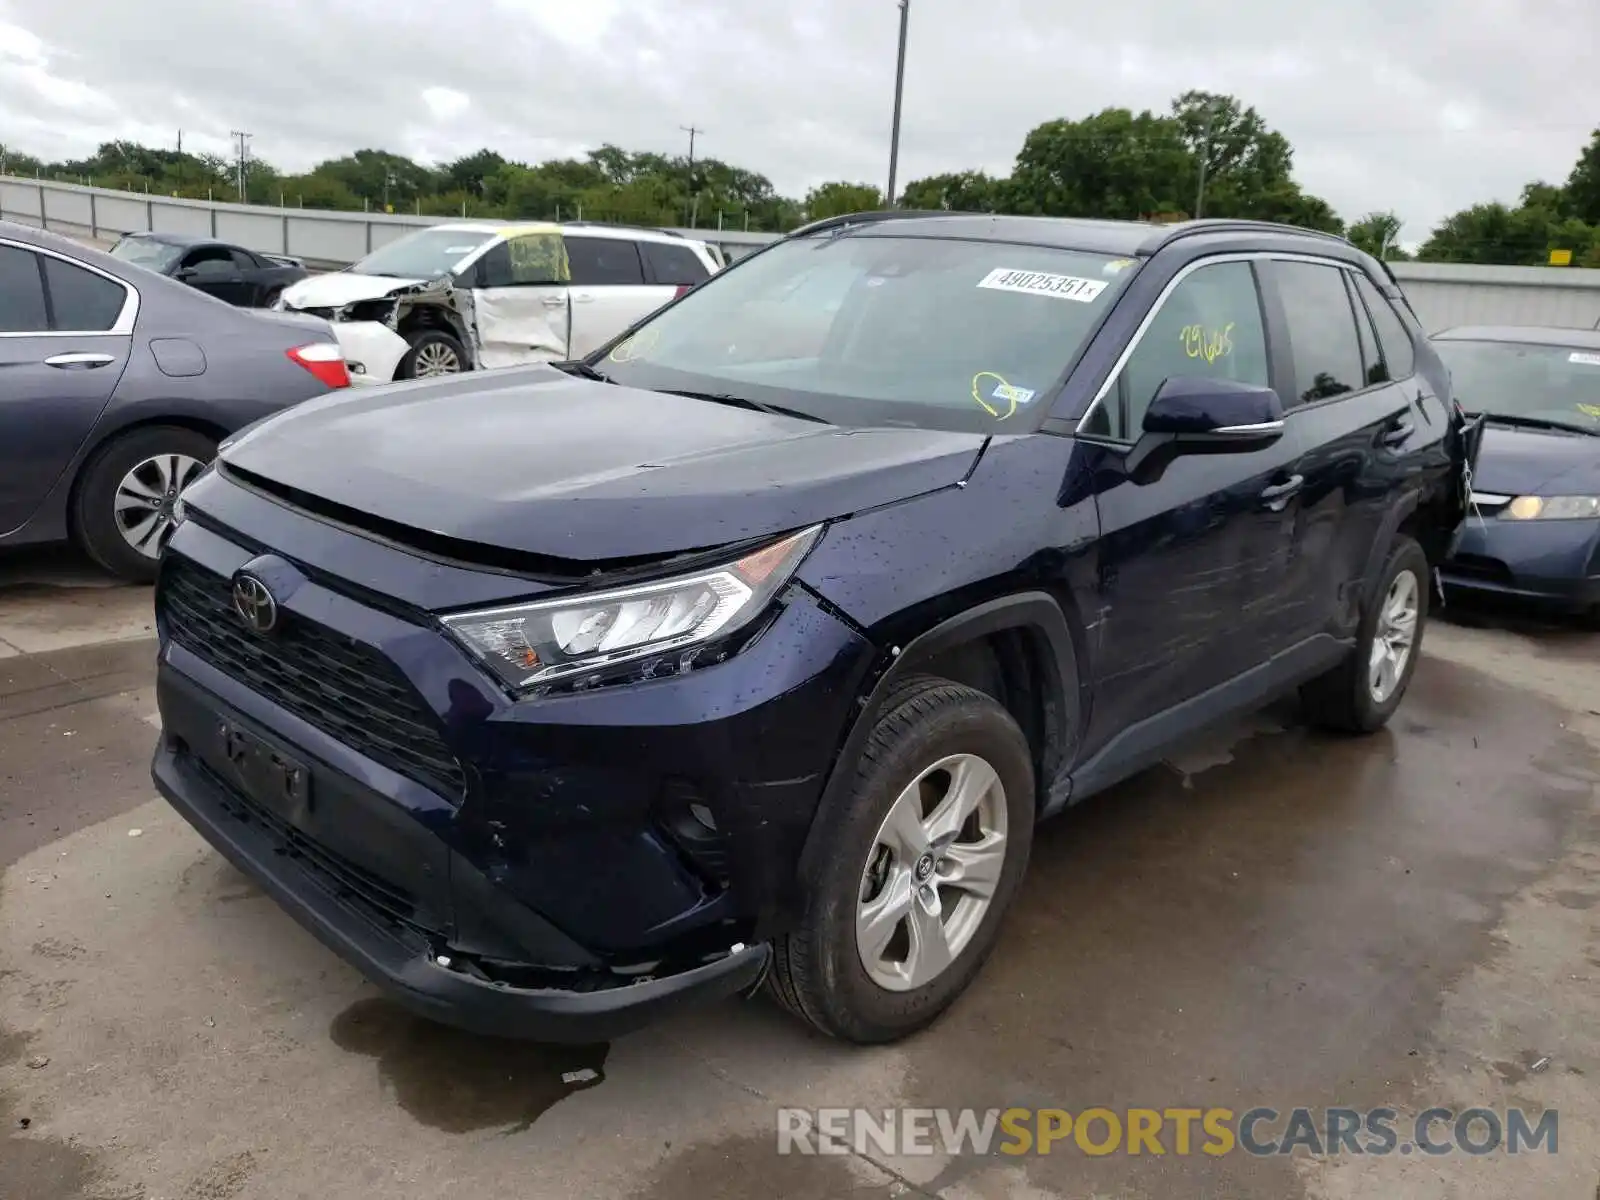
column 583, row 297
column 555, row 301
column 85, row 361
column 1397, row 432
column 1279, row 494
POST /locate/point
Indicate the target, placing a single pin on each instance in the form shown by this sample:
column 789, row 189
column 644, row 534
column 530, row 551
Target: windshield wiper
column 1537, row 422
column 582, row 370
column 775, row 410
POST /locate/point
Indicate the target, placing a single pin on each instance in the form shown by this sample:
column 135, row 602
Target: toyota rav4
column 752, row 646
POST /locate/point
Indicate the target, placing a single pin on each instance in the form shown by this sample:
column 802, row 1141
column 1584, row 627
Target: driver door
column 212, row 269
column 521, row 302
column 1194, row 564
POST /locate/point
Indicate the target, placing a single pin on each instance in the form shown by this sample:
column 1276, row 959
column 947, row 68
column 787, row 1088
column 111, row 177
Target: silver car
column 116, row 384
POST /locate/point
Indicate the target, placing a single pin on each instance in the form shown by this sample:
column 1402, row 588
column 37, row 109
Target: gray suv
column 116, row 384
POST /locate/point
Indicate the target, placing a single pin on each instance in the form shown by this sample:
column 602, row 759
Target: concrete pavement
column 1273, row 918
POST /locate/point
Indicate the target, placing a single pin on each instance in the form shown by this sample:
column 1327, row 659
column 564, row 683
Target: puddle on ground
column 460, row 1082
column 737, row 1168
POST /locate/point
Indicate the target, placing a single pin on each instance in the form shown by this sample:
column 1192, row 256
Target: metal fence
column 1443, row 294
column 321, row 238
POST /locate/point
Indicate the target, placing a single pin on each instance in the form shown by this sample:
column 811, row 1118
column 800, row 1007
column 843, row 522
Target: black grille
column 1478, row 566
column 344, row 688
column 385, row 901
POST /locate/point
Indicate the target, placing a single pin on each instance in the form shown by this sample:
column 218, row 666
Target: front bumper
column 371, row 350
column 401, row 959
column 1553, row 562
column 561, row 847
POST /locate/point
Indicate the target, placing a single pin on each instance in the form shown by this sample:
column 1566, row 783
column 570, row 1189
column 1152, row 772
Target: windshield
column 1547, row 383
column 426, row 254
column 147, row 252
column 872, row 329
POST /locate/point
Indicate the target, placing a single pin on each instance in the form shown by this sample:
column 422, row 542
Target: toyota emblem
column 254, row 603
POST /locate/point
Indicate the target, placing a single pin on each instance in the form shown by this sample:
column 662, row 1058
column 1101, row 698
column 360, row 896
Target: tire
column 820, row 971
column 426, row 344
column 133, row 471
column 1345, row 699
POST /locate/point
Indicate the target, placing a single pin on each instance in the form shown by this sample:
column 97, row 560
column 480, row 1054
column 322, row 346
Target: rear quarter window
column 604, row 262
column 675, row 265
column 1398, row 352
column 81, row 301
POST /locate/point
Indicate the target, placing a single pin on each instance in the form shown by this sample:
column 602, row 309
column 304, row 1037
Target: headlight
column 530, row 645
column 1553, row 508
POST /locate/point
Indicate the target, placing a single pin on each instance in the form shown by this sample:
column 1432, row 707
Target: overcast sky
column 1422, row 106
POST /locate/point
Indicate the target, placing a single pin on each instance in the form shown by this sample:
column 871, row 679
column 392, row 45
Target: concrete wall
column 1446, row 294
column 1443, row 294
column 324, row 239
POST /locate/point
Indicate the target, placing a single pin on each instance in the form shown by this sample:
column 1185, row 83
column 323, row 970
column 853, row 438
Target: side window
column 21, row 294
column 1322, row 330
column 531, row 261
column 1373, row 370
column 81, row 301
column 1399, row 355
column 1210, row 325
column 243, row 259
column 604, row 262
column 675, row 265
column 210, row 260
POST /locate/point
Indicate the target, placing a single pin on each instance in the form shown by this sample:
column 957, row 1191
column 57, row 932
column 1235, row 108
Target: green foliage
column 1115, row 163
column 836, row 199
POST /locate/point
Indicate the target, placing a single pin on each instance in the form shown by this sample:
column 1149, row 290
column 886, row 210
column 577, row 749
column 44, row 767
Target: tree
column 963, row 191
column 1583, row 185
column 1114, row 164
column 375, row 174
column 837, row 199
column 1489, row 233
column 317, row 191
column 1378, row 234
column 468, row 173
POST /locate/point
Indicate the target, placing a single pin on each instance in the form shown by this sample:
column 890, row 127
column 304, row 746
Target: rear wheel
column 433, row 353
column 922, row 864
column 123, row 509
column 1362, row 693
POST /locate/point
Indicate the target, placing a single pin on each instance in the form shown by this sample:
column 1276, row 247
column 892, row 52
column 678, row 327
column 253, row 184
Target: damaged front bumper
column 372, row 350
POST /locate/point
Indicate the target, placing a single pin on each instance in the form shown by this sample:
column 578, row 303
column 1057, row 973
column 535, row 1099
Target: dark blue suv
column 753, row 646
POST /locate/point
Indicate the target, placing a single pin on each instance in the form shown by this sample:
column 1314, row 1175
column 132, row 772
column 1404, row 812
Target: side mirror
column 1199, row 415
column 185, row 273
column 1205, row 414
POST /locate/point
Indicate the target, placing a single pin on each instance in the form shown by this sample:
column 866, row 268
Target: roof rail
column 869, row 217
column 1183, row 229
column 623, row 225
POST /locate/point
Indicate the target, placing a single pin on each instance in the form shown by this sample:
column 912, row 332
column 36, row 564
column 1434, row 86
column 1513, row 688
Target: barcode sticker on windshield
column 1038, row 283
column 1588, row 360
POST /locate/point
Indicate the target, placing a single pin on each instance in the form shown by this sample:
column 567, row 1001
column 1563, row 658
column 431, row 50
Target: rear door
column 609, row 290
column 1356, row 424
column 520, row 302
column 65, row 331
column 1193, row 563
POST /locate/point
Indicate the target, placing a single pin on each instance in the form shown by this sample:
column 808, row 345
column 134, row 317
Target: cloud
column 1415, row 105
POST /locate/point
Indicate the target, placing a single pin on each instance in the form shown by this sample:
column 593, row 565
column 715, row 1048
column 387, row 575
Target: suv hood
column 339, row 288
column 536, row 461
column 1519, row 462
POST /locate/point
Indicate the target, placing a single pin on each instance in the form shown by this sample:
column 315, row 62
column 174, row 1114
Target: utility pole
column 691, row 131
column 1205, row 159
column 244, row 161
column 899, row 91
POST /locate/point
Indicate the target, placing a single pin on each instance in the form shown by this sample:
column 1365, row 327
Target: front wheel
column 433, row 353
column 1362, row 693
column 920, row 867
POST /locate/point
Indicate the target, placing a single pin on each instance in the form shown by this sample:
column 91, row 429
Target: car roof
column 1526, row 335
column 586, row 228
column 1128, row 238
column 173, row 239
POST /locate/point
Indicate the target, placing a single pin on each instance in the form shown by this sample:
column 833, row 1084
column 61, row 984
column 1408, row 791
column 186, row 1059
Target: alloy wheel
column 436, row 358
column 931, row 873
column 1394, row 637
column 146, row 498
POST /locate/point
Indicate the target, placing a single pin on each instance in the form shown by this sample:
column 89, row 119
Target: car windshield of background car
column 882, row 330
column 1547, row 383
column 426, row 254
column 145, row 252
